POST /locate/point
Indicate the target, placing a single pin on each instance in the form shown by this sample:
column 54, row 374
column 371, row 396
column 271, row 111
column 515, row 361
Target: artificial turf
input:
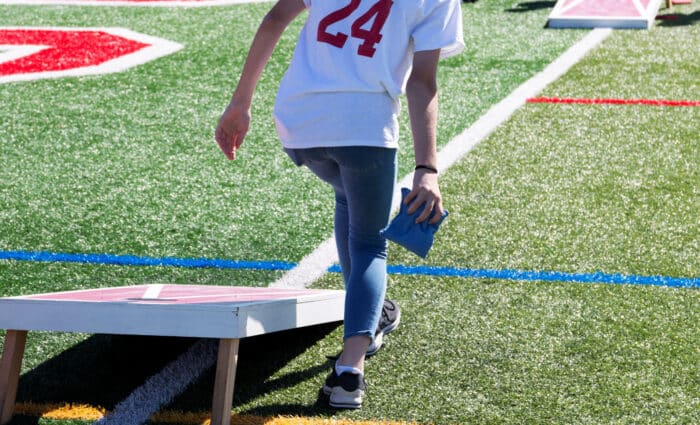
column 125, row 164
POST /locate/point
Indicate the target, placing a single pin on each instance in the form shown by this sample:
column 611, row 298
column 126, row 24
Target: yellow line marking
column 60, row 411
column 74, row 411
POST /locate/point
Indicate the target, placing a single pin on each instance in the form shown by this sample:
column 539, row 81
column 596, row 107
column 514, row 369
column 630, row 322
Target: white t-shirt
column 351, row 64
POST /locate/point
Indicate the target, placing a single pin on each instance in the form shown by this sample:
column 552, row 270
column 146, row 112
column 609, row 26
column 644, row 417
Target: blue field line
column 525, row 275
column 133, row 260
column 502, row 274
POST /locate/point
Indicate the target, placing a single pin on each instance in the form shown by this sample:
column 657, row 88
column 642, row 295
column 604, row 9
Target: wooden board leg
column 10, row 365
column 224, row 380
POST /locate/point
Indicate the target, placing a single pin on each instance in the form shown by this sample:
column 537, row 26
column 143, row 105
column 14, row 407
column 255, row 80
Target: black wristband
column 426, row 167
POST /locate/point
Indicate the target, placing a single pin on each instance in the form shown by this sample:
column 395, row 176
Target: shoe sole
column 344, row 406
column 349, row 403
column 328, row 391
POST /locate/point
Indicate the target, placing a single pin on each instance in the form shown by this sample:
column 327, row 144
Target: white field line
column 10, row 52
column 314, row 265
column 159, row 389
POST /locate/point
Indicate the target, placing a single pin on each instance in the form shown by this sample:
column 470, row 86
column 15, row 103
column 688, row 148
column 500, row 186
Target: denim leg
column 368, row 176
column 319, row 161
column 341, row 231
column 363, row 179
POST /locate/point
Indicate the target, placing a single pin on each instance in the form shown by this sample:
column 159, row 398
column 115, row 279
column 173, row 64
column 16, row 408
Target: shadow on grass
column 260, row 358
column 104, row 369
column 30, row 420
column 99, row 371
column 679, row 20
column 530, row 6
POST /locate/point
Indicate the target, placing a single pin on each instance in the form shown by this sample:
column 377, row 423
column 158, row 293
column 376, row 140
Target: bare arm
column 235, row 121
column 421, row 92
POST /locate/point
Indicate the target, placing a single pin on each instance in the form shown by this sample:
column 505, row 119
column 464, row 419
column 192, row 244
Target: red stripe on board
column 647, row 102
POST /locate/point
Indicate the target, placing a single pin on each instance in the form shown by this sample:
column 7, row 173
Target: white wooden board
column 639, row 14
column 173, row 310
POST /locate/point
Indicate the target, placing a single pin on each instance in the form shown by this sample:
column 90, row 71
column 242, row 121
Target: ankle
column 340, row 369
column 354, row 349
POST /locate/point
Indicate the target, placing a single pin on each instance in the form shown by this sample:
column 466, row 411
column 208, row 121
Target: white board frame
column 557, row 18
column 207, row 320
column 229, row 321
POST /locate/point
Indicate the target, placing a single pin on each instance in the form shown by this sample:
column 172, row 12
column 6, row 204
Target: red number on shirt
column 379, row 12
column 337, row 39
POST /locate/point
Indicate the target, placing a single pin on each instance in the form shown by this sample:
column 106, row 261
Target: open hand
column 232, row 129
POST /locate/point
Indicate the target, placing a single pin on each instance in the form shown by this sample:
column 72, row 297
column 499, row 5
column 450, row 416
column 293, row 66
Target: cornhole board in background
column 632, row 14
column 223, row 312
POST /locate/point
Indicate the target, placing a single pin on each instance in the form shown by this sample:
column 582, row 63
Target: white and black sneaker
column 389, row 320
column 346, row 390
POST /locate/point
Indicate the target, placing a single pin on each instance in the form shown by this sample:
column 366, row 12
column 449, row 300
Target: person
column 336, row 112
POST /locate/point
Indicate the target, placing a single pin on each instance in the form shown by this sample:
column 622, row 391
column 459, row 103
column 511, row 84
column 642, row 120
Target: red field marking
column 173, row 294
column 63, row 50
column 30, row 53
column 584, row 101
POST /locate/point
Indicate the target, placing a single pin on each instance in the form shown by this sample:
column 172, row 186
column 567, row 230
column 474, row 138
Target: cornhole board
column 223, row 312
column 623, row 14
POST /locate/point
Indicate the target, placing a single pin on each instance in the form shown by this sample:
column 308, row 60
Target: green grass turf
column 495, row 352
column 667, row 67
column 595, row 191
column 125, row 163
column 19, row 277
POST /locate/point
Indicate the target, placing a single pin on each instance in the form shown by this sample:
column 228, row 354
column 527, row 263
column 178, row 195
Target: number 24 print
column 372, row 36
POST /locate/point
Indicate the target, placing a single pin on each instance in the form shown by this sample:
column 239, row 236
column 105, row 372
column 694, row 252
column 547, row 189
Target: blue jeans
column 363, row 179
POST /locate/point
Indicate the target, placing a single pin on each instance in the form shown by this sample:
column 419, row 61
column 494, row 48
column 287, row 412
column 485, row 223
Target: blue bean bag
column 403, row 230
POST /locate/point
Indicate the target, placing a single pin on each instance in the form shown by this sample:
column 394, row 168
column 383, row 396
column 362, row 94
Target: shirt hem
column 336, row 144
